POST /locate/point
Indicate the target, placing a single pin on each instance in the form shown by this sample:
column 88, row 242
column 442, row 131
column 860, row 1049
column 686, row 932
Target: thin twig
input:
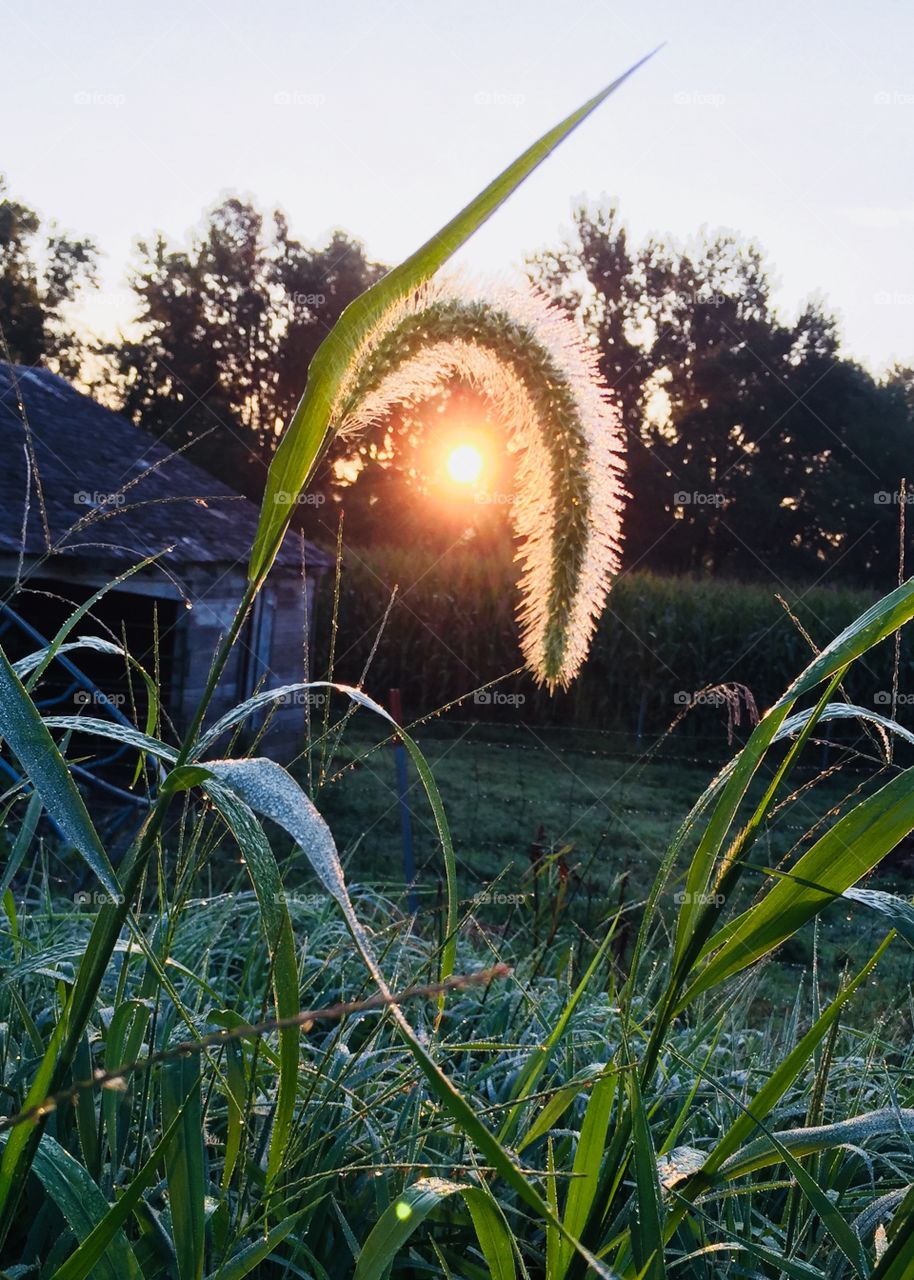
column 305, row 1018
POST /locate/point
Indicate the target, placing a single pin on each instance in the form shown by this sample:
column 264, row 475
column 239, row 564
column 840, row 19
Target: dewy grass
column 610, row 1107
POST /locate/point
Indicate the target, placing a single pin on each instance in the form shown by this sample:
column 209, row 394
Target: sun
column 465, row 463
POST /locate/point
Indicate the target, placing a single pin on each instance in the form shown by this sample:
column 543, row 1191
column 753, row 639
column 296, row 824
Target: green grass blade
column 536, row 1064
column 277, row 926
column 301, row 445
column 876, row 624
column 83, row 1206
column 873, row 626
column 853, row 846
column 776, row 1086
column 839, row 1230
column 50, row 652
column 31, row 743
column 242, row 1264
column 586, row 1167
column 125, row 1035
column 23, row 841
column 398, row 1222
column 22, row 1138
column 115, row 732
column 84, row 1260
column 426, row 777
column 180, row 1087
column 561, row 1100
column 647, row 1228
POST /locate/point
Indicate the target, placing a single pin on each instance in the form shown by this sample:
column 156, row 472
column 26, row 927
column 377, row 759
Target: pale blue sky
column 792, row 121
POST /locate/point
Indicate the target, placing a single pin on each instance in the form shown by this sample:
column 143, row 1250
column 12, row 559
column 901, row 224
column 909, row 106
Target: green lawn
column 609, row 817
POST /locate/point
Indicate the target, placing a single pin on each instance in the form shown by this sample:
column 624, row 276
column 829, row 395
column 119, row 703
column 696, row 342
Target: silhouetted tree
column 754, row 447
column 41, row 270
column 225, row 331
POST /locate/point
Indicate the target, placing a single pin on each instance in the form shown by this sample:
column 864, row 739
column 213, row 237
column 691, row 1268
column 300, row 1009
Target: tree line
column 756, row 446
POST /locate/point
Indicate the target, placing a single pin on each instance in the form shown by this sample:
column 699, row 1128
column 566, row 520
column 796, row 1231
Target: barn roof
column 109, row 491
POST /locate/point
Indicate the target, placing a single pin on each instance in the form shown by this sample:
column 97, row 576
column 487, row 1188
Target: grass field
column 603, row 818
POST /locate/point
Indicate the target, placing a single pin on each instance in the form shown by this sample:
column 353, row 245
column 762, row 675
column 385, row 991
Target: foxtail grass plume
column 543, row 384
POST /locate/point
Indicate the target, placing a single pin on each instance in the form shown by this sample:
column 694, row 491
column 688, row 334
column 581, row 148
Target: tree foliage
column 41, row 271
column 224, row 332
column 755, row 447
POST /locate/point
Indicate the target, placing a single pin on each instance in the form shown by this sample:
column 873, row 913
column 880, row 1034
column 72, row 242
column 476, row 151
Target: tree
column 754, row 447
column 225, row 331
column 41, row 271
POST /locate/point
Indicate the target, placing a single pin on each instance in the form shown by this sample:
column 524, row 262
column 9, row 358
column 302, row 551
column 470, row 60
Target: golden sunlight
column 465, row 464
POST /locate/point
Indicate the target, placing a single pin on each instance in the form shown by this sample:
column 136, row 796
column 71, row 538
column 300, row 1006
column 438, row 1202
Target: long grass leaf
column 32, row 745
column 184, row 1163
column 398, row 1222
column 301, row 445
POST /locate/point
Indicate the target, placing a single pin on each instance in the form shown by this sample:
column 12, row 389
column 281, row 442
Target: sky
column 792, row 123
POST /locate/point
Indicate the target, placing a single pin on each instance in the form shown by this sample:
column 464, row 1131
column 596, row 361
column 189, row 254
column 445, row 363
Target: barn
column 84, row 498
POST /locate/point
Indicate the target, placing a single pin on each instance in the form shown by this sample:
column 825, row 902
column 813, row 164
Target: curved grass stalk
column 544, row 386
